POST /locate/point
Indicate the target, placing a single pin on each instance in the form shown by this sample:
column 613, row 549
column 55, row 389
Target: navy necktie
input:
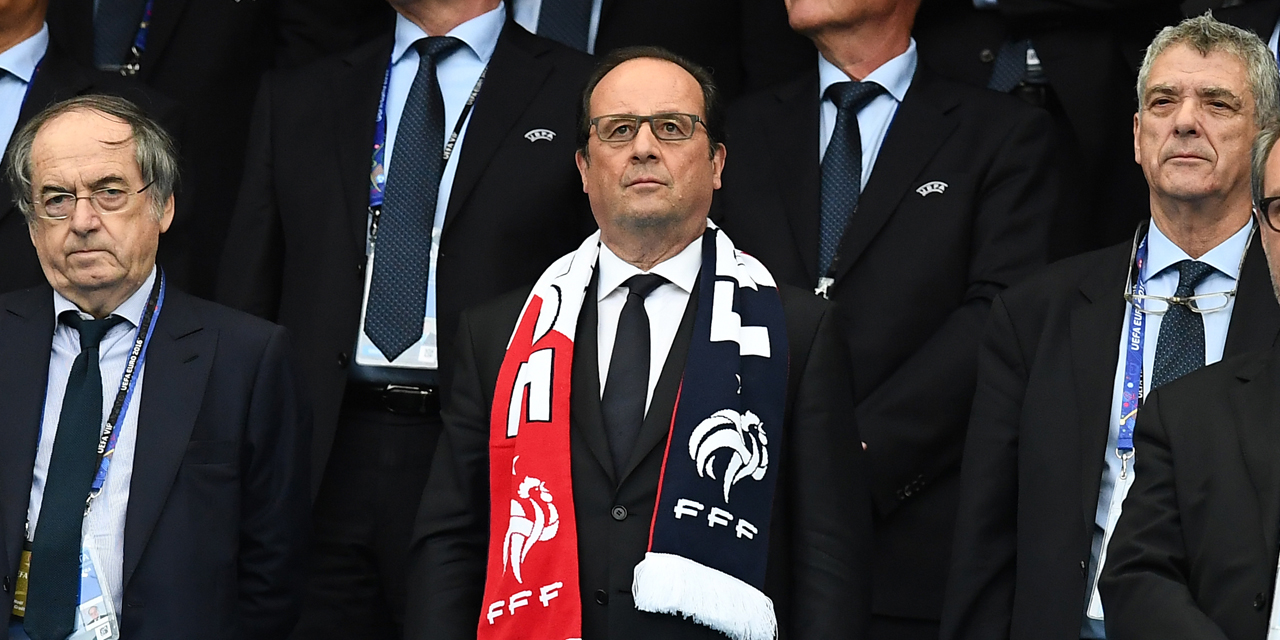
column 1181, row 345
column 1010, row 67
column 115, row 23
column 402, row 257
column 566, row 22
column 842, row 167
column 54, row 582
column 627, row 385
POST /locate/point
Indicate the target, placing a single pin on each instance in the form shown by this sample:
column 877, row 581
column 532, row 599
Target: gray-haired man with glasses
column 1069, row 355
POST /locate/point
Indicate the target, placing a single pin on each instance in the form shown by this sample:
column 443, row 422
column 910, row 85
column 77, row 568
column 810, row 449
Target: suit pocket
column 210, row 452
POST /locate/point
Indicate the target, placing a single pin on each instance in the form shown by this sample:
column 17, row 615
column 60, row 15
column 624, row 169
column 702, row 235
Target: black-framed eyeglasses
column 107, row 201
column 1157, row 305
column 1268, row 210
column 623, row 127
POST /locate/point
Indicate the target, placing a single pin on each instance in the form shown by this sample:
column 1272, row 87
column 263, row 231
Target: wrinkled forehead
column 83, row 145
column 1183, row 69
column 645, row 86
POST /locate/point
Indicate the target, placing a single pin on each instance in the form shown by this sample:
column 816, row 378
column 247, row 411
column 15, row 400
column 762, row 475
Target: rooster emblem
column 744, row 438
column 526, row 530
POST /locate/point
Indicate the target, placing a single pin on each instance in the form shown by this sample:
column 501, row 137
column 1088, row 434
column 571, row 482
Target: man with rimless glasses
column 1069, row 355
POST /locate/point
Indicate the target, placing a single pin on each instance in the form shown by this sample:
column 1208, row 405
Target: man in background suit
column 1198, row 538
column 1085, row 59
column 505, row 204
column 1259, row 16
column 651, row 197
column 1043, row 475
column 194, row 503
column 947, row 192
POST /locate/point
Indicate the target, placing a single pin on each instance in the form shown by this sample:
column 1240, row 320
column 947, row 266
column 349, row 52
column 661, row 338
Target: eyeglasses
column 108, row 201
column 1158, row 305
column 623, row 127
column 1268, row 210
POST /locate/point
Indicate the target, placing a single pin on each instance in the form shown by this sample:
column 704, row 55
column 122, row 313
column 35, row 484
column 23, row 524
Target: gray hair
column 153, row 149
column 1262, row 146
column 1206, row 35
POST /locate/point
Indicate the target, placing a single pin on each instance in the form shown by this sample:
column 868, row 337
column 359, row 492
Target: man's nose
column 645, row 144
column 1186, row 120
column 84, row 218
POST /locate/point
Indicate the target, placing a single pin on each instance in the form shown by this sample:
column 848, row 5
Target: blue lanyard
column 1131, row 394
column 134, row 62
column 141, row 339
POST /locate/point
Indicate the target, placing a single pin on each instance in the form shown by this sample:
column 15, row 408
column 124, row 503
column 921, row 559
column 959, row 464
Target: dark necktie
column 402, row 258
column 1180, row 349
column 566, row 22
column 1010, row 67
column 627, row 385
column 842, row 167
column 54, row 583
column 115, row 23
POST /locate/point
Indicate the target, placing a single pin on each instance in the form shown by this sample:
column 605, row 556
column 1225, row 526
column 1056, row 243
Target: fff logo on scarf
column 546, row 594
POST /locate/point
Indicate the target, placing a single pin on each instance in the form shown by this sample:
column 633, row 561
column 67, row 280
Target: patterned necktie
column 54, row 584
column 402, row 257
column 1180, row 349
column 842, row 167
column 627, row 385
column 566, row 22
column 115, row 23
column 1010, row 66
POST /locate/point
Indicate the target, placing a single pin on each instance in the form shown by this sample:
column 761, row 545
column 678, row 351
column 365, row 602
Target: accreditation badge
column 1123, row 483
column 96, row 617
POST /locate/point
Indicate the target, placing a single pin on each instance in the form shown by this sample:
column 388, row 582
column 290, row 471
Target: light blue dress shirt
column 105, row 523
column 1161, row 278
column 527, row 12
column 17, row 67
column 457, row 73
column 875, row 118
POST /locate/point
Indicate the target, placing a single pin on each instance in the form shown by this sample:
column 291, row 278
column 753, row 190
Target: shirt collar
column 681, row 269
column 894, row 75
column 479, row 33
column 21, row 59
column 131, row 309
column 1162, row 253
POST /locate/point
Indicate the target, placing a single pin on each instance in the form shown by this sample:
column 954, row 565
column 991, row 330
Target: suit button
column 342, row 359
column 602, row 598
column 360, row 267
column 987, row 55
column 1259, row 601
column 619, row 513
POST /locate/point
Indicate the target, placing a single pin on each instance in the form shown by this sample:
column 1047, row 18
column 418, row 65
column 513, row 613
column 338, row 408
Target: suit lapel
column 515, row 74
column 71, row 25
column 796, row 138
column 657, row 420
column 1255, row 320
column 164, row 20
column 923, row 123
column 587, row 416
column 1254, row 416
column 360, row 80
column 1095, row 333
column 26, row 322
column 177, row 369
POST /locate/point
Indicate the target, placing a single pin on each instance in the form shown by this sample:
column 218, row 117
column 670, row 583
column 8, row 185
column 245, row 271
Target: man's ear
column 166, row 218
column 584, row 162
column 717, row 164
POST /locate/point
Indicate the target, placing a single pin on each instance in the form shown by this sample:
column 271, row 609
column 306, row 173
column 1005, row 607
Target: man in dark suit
column 947, row 192
column 1198, row 538
column 301, row 252
column 1046, row 464
column 167, row 433
column 1258, row 16
column 1085, row 57
column 650, row 183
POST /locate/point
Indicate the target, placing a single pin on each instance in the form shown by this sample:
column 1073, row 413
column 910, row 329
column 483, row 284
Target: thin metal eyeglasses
column 623, row 127
column 106, row 201
column 1158, row 305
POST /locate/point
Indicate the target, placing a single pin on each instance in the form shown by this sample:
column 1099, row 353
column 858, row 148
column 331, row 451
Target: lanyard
column 377, row 175
column 1131, row 394
column 124, row 394
column 134, row 61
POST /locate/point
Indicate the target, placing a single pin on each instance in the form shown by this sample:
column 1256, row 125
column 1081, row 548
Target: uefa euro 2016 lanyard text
column 378, row 174
column 110, row 431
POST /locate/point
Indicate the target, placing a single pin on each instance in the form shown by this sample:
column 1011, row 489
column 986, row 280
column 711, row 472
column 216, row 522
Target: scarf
column 707, row 555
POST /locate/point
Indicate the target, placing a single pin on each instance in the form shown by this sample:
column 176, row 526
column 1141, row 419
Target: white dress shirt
column 875, row 118
column 105, row 523
column 527, row 12
column 457, row 73
column 665, row 305
column 17, row 68
column 1161, row 278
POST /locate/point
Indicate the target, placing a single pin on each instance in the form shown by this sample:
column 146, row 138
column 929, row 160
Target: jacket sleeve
column 979, row 596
